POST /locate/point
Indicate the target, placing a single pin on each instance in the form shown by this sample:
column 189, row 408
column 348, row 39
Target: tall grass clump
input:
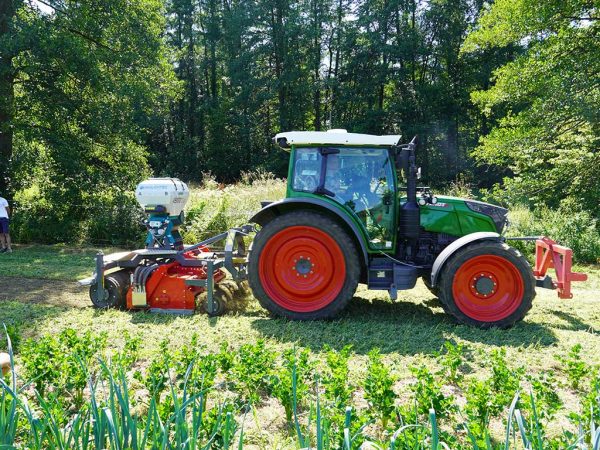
column 460, row 188
column 567, row 225
column 214, row 208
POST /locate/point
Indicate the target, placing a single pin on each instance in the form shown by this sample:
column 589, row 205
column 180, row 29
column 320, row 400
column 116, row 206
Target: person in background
column 4, row 233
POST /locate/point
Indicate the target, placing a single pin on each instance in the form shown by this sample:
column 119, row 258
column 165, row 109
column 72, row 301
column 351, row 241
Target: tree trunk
column 317, row 65
column 333, row 113
column 279, row 53
column 7, row 94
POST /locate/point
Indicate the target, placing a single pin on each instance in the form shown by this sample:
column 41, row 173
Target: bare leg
column 7, row 239
column 3, row 240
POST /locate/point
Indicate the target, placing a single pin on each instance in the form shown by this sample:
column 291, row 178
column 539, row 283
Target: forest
column 96, row 95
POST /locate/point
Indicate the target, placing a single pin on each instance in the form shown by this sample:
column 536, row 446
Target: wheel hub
column 484, row 285
column 303, row 266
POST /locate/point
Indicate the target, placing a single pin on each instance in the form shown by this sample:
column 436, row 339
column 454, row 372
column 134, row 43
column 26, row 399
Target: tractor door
column 361, row 180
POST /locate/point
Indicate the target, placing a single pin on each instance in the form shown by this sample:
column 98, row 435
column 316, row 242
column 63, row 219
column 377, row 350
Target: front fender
column 272, row 210
column 439, row 262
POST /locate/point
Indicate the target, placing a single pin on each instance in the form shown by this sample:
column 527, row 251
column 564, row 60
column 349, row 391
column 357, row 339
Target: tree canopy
column 97, row 95
column 547, row 99
column 85, row 80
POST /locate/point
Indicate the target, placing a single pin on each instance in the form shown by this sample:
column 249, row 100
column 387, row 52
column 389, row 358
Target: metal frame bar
column 101, row 293
column 548, row 254
column 234, row 247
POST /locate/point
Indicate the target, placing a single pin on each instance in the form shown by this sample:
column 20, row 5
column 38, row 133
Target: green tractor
column 348, row 219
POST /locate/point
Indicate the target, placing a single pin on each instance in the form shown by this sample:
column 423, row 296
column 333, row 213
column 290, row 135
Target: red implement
column 166, row 287
column 548, row 254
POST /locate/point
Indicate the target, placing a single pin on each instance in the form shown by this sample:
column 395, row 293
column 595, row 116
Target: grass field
column 39, row 297
column 466, row 374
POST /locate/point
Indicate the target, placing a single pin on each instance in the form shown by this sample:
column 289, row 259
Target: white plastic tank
column 172, row 193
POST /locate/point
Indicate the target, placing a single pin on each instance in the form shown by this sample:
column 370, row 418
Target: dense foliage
column 85, row 79
column 252, row 69
column 97, row 95
column 548, row 99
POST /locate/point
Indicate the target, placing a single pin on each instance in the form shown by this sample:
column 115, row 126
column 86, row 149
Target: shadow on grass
column 573, row 323
column 403, row 327
column 41, row 291
column 159, row 318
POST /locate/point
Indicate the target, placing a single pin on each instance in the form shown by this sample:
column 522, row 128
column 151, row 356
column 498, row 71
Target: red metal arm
column 548, row 254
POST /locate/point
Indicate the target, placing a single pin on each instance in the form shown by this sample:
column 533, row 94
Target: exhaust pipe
column 410, row 214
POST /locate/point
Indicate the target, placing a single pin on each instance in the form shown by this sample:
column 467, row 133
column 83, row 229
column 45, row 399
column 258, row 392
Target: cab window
column 307, row 169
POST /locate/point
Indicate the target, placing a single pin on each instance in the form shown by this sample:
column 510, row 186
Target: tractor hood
column 496, row 213
column 459, row 216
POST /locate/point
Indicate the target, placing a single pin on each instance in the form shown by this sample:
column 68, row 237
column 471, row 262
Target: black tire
column 498, row 249
column 323, row 224
column 222, row 298
column 116, row 284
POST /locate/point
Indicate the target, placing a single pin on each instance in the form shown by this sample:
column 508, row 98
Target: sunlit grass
column 38, row 297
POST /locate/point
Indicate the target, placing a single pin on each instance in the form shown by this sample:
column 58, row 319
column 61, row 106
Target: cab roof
column 333, row 137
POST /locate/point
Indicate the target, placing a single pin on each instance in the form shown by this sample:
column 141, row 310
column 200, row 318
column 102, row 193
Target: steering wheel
column 307, row 182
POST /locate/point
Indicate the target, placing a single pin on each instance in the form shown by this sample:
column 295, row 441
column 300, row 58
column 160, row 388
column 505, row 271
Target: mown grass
column 409, row 333
column 52, row 262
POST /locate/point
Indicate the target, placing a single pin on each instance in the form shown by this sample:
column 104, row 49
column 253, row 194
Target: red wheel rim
column 488, row 288
column 302, row 269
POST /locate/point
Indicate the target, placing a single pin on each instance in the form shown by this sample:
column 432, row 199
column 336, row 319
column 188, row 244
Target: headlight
column 496, row 213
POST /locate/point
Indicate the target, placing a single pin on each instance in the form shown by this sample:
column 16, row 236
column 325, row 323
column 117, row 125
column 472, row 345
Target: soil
column 40, row 291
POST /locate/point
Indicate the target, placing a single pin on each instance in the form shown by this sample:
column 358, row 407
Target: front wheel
column 303, row 266
column 487, row 284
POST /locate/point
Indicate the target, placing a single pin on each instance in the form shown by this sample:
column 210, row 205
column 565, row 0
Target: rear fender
column 468, row 239
column 272, row 210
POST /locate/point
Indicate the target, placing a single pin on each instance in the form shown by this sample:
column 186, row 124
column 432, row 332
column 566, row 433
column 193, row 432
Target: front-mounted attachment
column 548, row 254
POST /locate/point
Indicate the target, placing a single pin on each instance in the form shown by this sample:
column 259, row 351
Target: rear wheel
column 487, row 284
column 116, row 286
column 303, row 266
